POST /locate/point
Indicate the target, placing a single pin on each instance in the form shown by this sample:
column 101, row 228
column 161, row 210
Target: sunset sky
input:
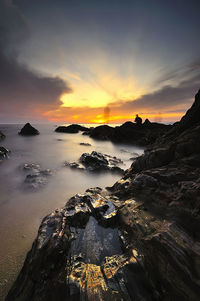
column 68, row 60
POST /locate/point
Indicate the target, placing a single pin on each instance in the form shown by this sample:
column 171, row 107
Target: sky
column 74, row 60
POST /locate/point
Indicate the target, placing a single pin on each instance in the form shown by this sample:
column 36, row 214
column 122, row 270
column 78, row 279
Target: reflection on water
column 21, row 210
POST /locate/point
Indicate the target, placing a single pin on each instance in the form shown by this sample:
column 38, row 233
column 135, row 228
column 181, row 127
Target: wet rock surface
column 4, row 153
column 28, row 130
column 96, row 162
column 139, row 240
column 36, row 177
column 79, row 256
column 2, row 136
column 73, row 129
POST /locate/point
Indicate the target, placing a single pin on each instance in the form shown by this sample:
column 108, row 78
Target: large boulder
column 28, row 130
column 78, row 255
column 72, row 129
column 97, row 162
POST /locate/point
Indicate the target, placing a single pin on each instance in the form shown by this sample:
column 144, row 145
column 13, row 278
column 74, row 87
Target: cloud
column 165, row 98
column 24, row 93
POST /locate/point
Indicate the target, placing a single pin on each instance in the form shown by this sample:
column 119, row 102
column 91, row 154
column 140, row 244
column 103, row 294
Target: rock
column 28, row 130
column 95, row 162
column 86, row 133
column 38, row 177
column 102, row 132
column 4, row 152
column 73, row 128
column 85, row 144
column 76, row 257
column 74, row 165
column 2, row 136
column 129, row 132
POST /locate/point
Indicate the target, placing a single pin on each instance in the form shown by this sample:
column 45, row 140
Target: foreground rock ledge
column 80, row 254
column 141, row 241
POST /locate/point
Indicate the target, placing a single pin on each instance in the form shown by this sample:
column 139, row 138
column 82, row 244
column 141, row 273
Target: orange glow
column 101, row 87
column 95, row 115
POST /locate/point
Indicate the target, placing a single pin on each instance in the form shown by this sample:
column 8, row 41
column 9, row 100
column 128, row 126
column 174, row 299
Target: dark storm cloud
column 166, row 97
column 23, row 92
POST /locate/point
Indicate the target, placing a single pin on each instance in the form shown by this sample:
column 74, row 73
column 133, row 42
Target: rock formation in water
column 96, row 162
column 28, row 130
column 130, row 132
column 137, row 241
column 36, row 177
column 85, row 144
column 2, row 136
column 3, row 153
column 73, row 129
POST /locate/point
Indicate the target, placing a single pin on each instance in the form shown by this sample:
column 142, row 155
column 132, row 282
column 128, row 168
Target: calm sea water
column 22, row 210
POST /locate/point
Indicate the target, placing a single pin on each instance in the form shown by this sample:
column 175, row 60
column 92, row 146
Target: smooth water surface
column 21, row 209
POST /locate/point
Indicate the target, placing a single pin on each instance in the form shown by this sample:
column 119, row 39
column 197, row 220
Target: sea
column 22, row 208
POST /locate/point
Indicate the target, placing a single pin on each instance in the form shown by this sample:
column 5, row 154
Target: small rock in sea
column 86, row 144
column 2, row 136
column 74, row 165
column 97, row 162
column 38, row 177
column 28, row 130
column 4, row 152
column 32, row 166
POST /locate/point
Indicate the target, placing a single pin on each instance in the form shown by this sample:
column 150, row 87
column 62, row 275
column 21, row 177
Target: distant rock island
column 28, row 130
column 137, row 240
column 128, row 132
column 72, row 129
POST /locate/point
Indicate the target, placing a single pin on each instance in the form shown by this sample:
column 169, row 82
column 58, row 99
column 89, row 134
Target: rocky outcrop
column 78, row 255
column 130, row 132
column 73, row 129
column 28, row 130
column 2, row 136
column 3, row 153
column 102, row 132
column 138, row 241
column 36, row 177
column 96, row 162
column 85, row 144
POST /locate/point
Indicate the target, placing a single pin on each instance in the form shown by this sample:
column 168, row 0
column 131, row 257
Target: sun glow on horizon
column 101, row 88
